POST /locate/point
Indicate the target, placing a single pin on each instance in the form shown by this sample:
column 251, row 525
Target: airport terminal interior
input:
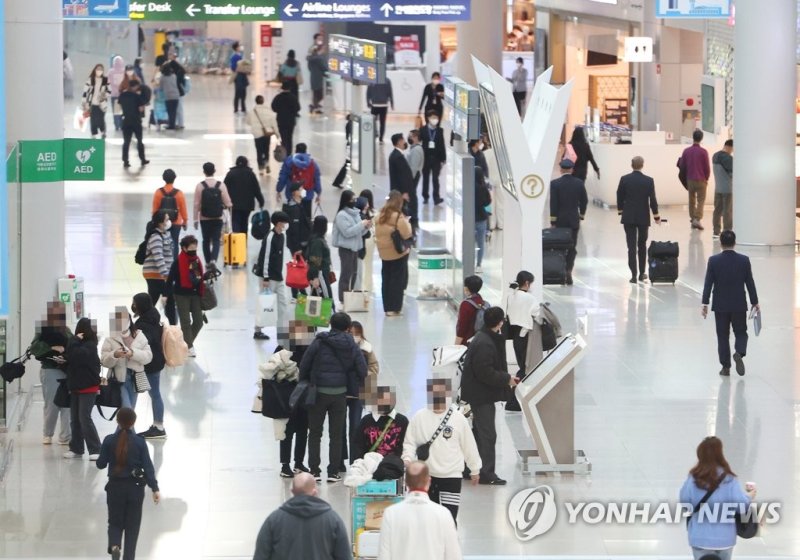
column 647, row 388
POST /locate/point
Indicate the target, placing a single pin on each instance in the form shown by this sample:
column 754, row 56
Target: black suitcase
column 663, row 269
column 557, row 238
column 554, row 267
column 663, row 249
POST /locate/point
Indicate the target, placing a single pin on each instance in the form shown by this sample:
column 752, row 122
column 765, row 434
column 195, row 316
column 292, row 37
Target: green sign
column 69, row 159
column 205, row 10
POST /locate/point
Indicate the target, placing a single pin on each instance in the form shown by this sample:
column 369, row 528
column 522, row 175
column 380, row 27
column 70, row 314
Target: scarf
column 190, row 272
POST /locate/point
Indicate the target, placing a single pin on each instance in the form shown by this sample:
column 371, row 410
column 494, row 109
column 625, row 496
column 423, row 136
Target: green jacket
column 42, row 346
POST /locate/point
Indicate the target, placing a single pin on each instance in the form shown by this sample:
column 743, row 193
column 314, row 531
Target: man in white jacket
column 418, row 520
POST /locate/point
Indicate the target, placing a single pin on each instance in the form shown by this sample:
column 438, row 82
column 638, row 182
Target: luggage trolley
column 367, row 504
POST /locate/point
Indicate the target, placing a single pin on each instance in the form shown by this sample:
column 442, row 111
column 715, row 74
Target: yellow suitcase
column 235, row 249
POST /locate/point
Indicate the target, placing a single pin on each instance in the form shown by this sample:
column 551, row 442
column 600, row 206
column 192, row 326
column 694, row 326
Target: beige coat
column 142, row 355
column 383, row 236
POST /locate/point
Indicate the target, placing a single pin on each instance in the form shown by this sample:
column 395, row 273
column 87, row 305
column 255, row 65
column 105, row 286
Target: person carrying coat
column 394, row 272
column 636, row 197
column 244, row 190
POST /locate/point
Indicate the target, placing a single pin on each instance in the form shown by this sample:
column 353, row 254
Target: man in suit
column 727, row 275
column 568, row 202
column 432, row 138
column 636, row 197
column 400, row 177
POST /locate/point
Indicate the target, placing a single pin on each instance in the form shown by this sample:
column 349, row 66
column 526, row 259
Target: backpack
column 211, row 201
column 176, row 351
column 169, row 203
column 303, row 176
column 479, row 315
column 260, row 225
column 141, row 250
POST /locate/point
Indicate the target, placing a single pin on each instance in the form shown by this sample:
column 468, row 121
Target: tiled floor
column 646, row 393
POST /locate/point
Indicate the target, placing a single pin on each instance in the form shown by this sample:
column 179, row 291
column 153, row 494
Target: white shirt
column 453, row 447
column 417, row 529
column 521, row 308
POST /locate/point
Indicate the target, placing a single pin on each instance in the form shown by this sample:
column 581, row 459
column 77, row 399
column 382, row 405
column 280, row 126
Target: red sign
column 266, row 35
column 406, row 43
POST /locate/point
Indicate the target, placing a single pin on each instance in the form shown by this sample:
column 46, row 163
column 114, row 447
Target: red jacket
column 465, row 326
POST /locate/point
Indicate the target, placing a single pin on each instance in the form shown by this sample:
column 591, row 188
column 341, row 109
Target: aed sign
column 69, row 159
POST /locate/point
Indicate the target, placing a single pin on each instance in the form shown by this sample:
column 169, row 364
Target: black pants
column 239, row 220
column 636, row 238
column 446, row 492
column 158, row 288
column 431, row 167
column 296, row 428
column 175, row 233
column 124, row 499
column 413, row 205
column 394, row 278
column 486, row 437
column 212, row 233
column 239, row 96
column 334, row 407
column 129, row 130
column 520, row 348
column 172, row 112
column 286, row 130
column 262, row 150
column 724, row 322
column 83, row 428
column 519, row 99
column 380, row 115
column 347, row 276
column 355, row 410
column 573, row 251
column 318, row 95
column 97, row 120
column 293, row 88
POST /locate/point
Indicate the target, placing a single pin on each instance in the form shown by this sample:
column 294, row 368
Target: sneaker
column 334, row 477
column 725, row 372
column 478, row 270
column 496, row 481
column 192, row 352
column 126, row 164
column 115, row 553
column 286, row 472
column 632, row 280
column 47, row 440
column 71, row 455
column 643, row 278
column 94, row 456
column 63, row 442
column 154, row 433
column 317, row 475
column 739, row 363
column 300, row 467
column 145, row 162
column 258, row 335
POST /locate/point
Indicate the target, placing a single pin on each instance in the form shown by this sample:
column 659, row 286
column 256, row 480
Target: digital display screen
column 355, row 146
column 339, row 45
column 368, row 72
column 492, row 116
column 341, row 65
column 707, row 105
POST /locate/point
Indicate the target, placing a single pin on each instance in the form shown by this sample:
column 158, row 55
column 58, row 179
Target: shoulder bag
column 424, row 450
column 705, row 498
column 379, row 441
column 399, row 243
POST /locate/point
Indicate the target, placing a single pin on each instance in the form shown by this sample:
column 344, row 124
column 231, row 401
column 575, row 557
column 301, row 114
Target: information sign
column 69, row 159
column 95, row 9
column 372, row 10
column 84, row 159
column 204, row 10
column 697, row 9
column 357, row 59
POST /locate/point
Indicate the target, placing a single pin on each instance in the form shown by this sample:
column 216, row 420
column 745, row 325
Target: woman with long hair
column 125, row 352
column 365, row 255
column 348, row 236
column 96, row 92
column 83, row 381
column 394, row 272
column 129, row 471
column 583, row 154
column 318, row 255
column 521, row 307
column 710, row 532
column 290, row 74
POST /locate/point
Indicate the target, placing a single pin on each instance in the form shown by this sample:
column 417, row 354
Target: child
column 383, row 429
column 270, row 266
column 468, row 311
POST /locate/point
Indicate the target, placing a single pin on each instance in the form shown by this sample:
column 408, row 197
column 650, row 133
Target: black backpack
column 260, row 225
column 141, row 251
column 169, row 203
column 211, row 201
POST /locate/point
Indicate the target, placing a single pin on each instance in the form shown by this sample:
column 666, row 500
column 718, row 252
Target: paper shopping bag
column 267, row 313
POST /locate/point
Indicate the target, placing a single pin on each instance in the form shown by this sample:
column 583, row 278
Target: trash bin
column 435, row 267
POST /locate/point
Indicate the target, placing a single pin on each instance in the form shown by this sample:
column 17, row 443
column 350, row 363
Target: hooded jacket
column 334, row 360
column 149, row 322
column 300, row 161
column 348, row 230
column 116, row 75
column 485, row 379
column 303, row 527
column 83, row 365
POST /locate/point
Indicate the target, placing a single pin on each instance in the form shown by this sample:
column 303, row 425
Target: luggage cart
column 367, row 504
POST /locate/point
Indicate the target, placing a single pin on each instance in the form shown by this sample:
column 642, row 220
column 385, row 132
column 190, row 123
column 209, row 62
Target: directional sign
column 95, row 9
column 372, row 10
column 707, row 9
column 432, row 10
column 351, row 10
column 204, row 10
column 357, row 59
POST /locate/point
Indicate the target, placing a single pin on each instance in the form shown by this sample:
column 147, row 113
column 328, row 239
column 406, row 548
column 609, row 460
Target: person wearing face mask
column 433, row 96
column 158, row 262
column 401, row 178
column 125, row 352
column 272, row 259
column 519, row 80
column 383, row 429
column 148, row 321
column 521, row 309
column 317, row 60
column 348, row 236
column 416, row 161
column 186, row 282
column 95, row 100
column 431, row 137
column 132, row 103
column 453, row 445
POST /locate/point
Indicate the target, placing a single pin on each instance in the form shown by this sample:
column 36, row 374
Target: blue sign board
column 96, row 9
column 5, row 274
column 375, row 10
column 695, row 9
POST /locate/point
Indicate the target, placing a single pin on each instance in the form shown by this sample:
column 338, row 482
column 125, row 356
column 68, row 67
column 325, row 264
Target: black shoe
column 569, row 279
column 513, row 406
column 317, row 475
column 643, row 277
column 258, row 335
column 145, row 162
column 725, row 372
column 739, row 363
column 286, row 472
column 338, row 186
column 496, row 481
column 438, row 201
column 334, row 477
column 300, row 467
column 115, row 553
column 154, row 433
column 424, row 201
column 126, row 164
column 632, row 280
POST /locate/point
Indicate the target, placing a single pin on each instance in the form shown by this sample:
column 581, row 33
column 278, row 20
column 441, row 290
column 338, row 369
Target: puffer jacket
column 334, row 360
column 348, row 231
column 118, row 367
column 279, row 367
column 149, row 322
column 383, row 236
column 486, row 378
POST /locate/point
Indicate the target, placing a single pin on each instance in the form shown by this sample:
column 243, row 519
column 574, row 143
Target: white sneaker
column 94, row 456
column 478, row 270
column 47, row 440
column 71, row 455
column 192, row 353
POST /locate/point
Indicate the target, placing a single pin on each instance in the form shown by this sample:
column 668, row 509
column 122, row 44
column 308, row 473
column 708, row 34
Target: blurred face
column 297, row 195
column 386, row 402
column 300, row 334
column 120, row 320
column 98, row 70
column 56, row 315
column 438, row 393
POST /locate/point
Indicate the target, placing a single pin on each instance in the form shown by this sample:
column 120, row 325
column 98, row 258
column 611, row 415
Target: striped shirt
column 159, row 256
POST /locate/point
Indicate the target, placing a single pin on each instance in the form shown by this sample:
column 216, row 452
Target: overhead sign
column 68, row 159
column 697, row 9
column 356, row 59
column 205, row 10
column 372, row 10
column 95, row 9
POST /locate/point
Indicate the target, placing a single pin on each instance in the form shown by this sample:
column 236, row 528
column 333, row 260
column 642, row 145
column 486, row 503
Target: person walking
column 483, row 205
column 237, row 52
column 291, row 74
column 379, row 99
column 270, row 267
column 714, row 494
column 335, row 365
column 583, row 154
column 125, row 352
column 148, row 321
column 286, row 108
column 244, row 191
column 171, row 200
column 568, row 203
column 305, row 526
column 130, row 469
column 486, row 381
column 83, row 381
column 636, row 198
column 519, row 82
column 433, row 97
column 317, row 60
column 418, row 527
column 394, row 271
column 348, row 236
column 211, row 198
column 432, row 138
column 264, row 127
column 416, row 161
column 727, row 275
column 115, row 77
column 168, row 82
column 723, row 189
column 318, row 255
column 158, row 262
column 95, row 100
column 694, row 165
column 186, row 281
column 301, row 168
column 132, row 103
column 299, row 230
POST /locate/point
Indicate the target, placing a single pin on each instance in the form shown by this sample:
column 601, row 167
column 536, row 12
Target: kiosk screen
column 492, row 115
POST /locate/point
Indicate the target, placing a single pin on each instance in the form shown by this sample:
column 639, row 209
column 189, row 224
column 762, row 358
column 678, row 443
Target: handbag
column 304, row 396
column 110, row 395
column 15, row 368
column 356, row 302
column 62, row 397
column 297, row 273
column 279, row 153
column 140, row 382
column 331, row 277
column 313, row 310
column 400, row 244
column 747, row 528
column 424, row 450
column 267, row 312
column 208, row 300
column 276, row 397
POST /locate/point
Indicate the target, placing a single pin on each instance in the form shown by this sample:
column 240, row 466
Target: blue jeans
column 130, row 396
column 480, row 239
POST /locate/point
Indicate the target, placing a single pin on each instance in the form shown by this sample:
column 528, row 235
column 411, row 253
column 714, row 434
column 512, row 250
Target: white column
column 35, row 111
column 298, row 35
column 764, row 122
column 433, row 39
column 482, row 37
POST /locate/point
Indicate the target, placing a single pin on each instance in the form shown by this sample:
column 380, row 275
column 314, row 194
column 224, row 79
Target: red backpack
column 303, row 176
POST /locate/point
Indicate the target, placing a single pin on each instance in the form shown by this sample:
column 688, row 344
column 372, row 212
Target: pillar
column 433, row 57
column 764, row 196
column 34, row 110
column 482, row 36
column 299, row 35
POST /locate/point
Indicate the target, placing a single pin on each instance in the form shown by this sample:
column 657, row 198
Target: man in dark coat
column 636, row 197
column 400, row 177
column 317, row 60
column 486, row 381
column 727, row 275
column 286, row 109
column 568, row 202
column 244, row 190
column 431, row 136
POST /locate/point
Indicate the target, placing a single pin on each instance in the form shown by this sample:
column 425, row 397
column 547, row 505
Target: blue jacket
column 727, row 275
column 348, row 231
column 138, row 458
column 301, row 161
column 235, row 58
column 704, row 530
column 334, row 360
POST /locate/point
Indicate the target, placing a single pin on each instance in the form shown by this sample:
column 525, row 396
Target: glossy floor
column 646, row 394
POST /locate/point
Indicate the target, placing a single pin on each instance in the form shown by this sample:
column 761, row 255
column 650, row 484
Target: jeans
column 128, row 391
column 355, row 410
column 286, row 130
column 212, row 234
column 124, row 499
column 262, row 150
column 480, row 239
column 486, row 437
column 190, row 314
column 52, row 413
column 158, row 288
column 239, row 219
column 83, row 428
column 175, row 234
column 725, row 554
column 697, row 199
column 97, row 120
column 380, row 116
column 239, row 96
column 431, row 167
column 723, row 213
column 117, row 118
column 179, row 116
column 172, row 113
column 130, row 397
column 335, row 408
column 636, row 238
column 724, row 321
column 296, row 428
column 347, row 276
column 394, row 276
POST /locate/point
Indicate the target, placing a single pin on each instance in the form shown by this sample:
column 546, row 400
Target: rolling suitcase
column 662, row 260
column 554, row 267
column 234, row 249
column 557, row 238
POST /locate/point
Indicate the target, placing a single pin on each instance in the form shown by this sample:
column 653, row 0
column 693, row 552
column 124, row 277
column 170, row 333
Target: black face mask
column 192, row 253
column 134, row 310
column 384, row 409
column 439, row 401
column 410, row 142
column 351, row 204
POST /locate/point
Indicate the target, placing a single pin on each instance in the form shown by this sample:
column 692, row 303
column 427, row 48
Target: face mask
column 435, row 82
column 384, row 409
column 438, row 402
column 192, row 253
column 319, row 43
column 410, row 140
column 285, row 227
column 434, row 122
column 519, row 65
column 405, row 147
column 351, row 204
column 134, row 310
column 358, row 339
column 167, row 225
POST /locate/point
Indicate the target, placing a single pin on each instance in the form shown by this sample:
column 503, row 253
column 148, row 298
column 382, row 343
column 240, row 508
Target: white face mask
column 358, row 339
column 167, row 225
column 434, row 122
column 285, row 227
